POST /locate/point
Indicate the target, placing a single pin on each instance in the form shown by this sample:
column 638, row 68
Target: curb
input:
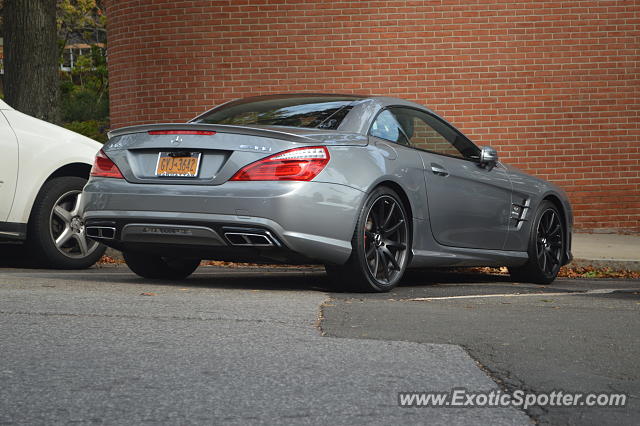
column 613, row 264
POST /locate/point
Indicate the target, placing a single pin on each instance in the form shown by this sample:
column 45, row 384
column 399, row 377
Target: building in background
column 553, row 85
column 70, row 54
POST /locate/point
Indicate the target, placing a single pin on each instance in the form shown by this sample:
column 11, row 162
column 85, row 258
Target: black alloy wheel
column 385, row 239
column 549, row 242
column 546, row 248
column 381, row 246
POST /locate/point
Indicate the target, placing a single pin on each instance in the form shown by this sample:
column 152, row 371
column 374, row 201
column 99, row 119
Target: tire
column 381, row 245
column 55, row 233
column 158, row 267
column 547, row 241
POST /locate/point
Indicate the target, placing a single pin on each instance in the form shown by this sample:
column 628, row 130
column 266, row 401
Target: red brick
column 554, row 85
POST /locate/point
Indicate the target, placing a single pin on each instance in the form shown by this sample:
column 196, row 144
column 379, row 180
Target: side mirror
column 488, row 157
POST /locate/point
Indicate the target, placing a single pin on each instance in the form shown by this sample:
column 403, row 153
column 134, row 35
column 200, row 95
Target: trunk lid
column 140, row 152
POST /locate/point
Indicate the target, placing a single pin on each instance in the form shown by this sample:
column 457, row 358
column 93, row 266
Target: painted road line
column 483, row 296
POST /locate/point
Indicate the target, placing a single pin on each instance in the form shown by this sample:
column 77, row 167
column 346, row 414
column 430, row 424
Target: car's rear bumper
column 286, row 221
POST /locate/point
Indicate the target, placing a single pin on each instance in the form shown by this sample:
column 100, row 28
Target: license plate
column 178, row 164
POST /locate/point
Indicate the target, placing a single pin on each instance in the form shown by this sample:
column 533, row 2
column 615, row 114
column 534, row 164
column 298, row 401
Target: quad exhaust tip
column 248, row 239
column 103, row 232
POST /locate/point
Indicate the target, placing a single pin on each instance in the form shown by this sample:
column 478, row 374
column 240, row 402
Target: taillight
column 181, row 132
column 294, row 164
column 104, row 167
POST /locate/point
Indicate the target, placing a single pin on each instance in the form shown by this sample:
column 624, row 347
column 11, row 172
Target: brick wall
column 553, row 85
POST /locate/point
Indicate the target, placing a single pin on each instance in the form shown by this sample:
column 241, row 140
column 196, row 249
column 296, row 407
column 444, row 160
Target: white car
column 43, row 169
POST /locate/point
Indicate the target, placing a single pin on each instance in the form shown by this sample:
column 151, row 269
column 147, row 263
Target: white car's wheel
column 56, row 235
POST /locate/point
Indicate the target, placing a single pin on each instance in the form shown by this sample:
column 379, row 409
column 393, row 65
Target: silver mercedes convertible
column 367, row 186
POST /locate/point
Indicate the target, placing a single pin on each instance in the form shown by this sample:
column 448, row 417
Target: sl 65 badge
column 256, row 148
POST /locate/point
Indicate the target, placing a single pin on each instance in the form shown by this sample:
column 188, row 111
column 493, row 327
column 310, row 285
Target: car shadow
column 14, row 256
column 420, row 282
column 416, row 282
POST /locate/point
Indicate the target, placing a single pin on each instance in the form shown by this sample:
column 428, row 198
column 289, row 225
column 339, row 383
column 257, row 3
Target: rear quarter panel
column 364, row 168
column 382, row 163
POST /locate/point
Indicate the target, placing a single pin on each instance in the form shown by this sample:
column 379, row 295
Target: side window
column 387, row 127
column 429, row 133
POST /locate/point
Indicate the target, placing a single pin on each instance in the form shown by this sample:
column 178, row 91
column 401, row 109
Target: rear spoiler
column 218, row 128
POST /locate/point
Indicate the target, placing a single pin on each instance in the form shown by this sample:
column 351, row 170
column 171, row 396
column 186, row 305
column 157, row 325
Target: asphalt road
column 576, row 335
column 221, row 348
column 272, row 346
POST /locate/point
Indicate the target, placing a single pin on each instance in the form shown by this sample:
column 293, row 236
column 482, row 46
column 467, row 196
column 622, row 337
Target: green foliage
column 93, row 129
column 82, row 104
column 85, row 88
column 85, row 96
column 90, row 71
column 79, row 18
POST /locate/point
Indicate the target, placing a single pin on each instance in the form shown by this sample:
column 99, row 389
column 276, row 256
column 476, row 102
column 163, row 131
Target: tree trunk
column 31, row 57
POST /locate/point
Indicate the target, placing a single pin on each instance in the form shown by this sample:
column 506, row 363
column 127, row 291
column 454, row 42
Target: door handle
column 438, row 170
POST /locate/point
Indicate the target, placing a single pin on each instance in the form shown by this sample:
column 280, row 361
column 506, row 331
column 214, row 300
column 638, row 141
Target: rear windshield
column 312, row 112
